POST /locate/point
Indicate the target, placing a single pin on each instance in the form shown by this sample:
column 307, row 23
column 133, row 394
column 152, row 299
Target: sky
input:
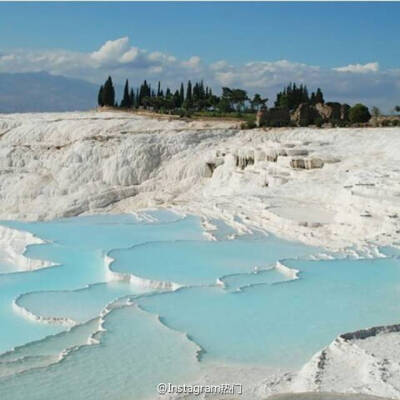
column 349, row 49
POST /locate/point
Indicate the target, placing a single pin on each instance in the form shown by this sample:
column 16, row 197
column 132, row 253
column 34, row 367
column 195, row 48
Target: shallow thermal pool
column 132, row 301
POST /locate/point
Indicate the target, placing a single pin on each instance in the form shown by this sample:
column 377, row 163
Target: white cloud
column 219, row 65
column 130, row 55
column 356, row 82
column 193, row 62
column 112, row 50
column 8, row 57
column 359, row 68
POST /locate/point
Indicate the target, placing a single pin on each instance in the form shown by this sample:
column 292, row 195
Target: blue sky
column 325, row 34
column 351, row 50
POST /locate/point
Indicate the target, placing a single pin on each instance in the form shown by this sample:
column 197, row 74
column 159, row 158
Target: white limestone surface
column 346, row 193
column 13, row 244
column 65, row 164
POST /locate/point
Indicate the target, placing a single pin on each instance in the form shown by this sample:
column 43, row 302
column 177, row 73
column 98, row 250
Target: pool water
column 87, row 328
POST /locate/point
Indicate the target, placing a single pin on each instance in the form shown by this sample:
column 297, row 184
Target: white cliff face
column 330, row 187
column 64, row 164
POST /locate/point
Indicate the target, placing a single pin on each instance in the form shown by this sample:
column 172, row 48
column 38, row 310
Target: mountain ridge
column 44, row 92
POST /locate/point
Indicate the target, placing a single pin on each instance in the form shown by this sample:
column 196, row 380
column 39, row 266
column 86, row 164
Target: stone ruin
column 304, row 115
column 277, row 116
column 333, row 111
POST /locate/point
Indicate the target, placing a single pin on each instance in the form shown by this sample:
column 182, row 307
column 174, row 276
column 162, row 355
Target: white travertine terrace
column 333, row 188
column 13, row 244
column 57, row 165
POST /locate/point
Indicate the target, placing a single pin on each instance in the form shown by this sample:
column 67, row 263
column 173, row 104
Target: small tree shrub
column 319, row 122
column 248, row 125
column 359, row 113
column 342, row 124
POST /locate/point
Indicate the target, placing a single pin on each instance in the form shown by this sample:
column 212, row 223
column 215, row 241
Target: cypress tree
column 100, row 97
column 131, row 99
column 196, row 92
column 188, row 102
column 177, row 99
column 189, row 91
column 125, row 103
column 137, row 99
column 304, row 95
column 145, row 91
column 202, row 92
column 292, row 96
column 142, row 93
column 182, row 94
column 159, row 89
column 319, row 97
column 139, row 96
column 109, row 93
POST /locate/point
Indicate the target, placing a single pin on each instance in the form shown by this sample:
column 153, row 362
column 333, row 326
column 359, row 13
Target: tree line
column 199, row 97
column 190, row 96
column 292, row 96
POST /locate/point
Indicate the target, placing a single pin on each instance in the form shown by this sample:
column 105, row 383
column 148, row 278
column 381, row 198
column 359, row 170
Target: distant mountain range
column 41, row 91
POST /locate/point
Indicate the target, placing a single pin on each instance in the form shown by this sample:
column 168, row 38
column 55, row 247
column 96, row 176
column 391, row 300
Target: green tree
column 131, row 99
column 100, row 97
column 144, row 91
column 159, row 89
column 224, row 105
column 359, row 113
column 181, row 95
column 188, row 103
column 108, row 93
column 202, row 91
column 319, row 97
column 176, row 98
column 292, row 96
column 257, row 102
column 189, row 100
column 235, row 98
column 126, row 102
column 196, row 92
column 136, row 103
column 239, row 97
